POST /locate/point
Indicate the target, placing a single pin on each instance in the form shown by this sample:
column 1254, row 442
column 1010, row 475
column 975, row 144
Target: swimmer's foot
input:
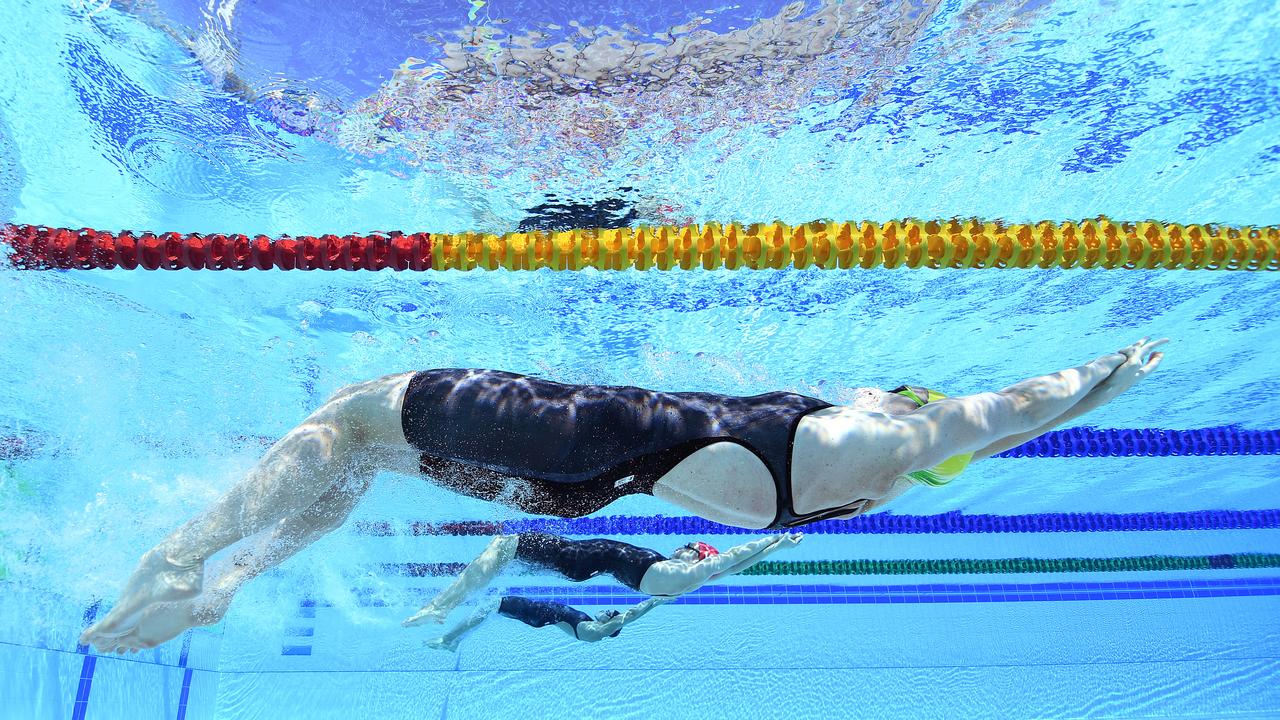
column 428, row 614
column 161, row 622
column 443, row 643
column 156, row 580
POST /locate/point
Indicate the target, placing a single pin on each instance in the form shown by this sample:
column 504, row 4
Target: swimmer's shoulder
column 840, row 434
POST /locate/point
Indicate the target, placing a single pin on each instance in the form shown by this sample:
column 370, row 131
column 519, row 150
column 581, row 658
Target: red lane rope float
column 1100, row 243
column 42, row 248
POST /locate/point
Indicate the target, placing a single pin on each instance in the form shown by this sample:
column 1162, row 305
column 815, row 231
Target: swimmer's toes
column 441, row 644
column 115, row 625
column 101, row 641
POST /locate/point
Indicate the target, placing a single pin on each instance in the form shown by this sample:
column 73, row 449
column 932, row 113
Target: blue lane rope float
column 1070, row 442
column 874, row 524
column 1149, row 442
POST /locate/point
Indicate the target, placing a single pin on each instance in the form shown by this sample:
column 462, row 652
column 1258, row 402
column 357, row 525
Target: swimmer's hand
column 789, row 540
column 1132, row 364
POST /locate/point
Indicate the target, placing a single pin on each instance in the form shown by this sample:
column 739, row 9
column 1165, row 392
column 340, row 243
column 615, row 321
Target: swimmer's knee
column 368, row 412
column 315, row 441
column 341, row 419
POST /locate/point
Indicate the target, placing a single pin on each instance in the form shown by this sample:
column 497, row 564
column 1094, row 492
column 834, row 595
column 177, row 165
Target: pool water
column 1139, row 582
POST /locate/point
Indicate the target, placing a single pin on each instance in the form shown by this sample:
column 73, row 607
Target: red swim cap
column 704, row 550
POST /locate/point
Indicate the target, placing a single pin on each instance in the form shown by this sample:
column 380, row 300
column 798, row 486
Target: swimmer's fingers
column 1131, row 348
column 1149, row 350
column 1146, row 346
column 1139, row 353
column 129, row 643
column 1146, row 358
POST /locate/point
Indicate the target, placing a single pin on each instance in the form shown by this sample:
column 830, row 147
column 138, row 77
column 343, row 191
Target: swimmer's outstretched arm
column 670, row 577
column 476, row 577
column 1083, row 389
column 1139, row 361
column 981, row 421
column 598, row 629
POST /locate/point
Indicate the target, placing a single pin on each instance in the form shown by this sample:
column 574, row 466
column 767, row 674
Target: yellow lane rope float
column 975, row 244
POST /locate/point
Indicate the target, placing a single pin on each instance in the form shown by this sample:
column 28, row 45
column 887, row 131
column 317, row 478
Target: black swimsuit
column 541, row 613
column 576, row 560
column 580, row 560
column 549, row 448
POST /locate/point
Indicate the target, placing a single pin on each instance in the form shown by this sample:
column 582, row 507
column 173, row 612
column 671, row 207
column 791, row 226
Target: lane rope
column 881, row 523
column 911, row 243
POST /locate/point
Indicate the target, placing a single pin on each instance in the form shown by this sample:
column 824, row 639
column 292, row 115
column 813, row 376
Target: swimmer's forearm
column 1014, row 441
column 1043, row 400
column 676, row 578
column 746, row 551
column 594, row 630
column 1074, row 388
column 639, row 610
column 747, row 562
column 740, row 556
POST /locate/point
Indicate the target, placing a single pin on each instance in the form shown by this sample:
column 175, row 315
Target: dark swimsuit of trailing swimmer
column 579, row 560
column 548, row 448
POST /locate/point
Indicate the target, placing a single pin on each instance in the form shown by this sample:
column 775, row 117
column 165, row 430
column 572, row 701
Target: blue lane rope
column 1149, row 442
column 1071, row 442
column 942, row 566
column 874, row 524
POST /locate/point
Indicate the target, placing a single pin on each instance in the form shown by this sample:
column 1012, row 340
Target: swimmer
column 643, row 570
column 541, row 613
column 776, row 460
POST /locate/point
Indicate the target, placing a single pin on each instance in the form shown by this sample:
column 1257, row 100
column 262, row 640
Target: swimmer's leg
column 449, row 641
column 332, row 445
column 471, row 580
column 161, row 622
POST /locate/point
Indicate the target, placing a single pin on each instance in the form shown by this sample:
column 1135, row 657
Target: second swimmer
column 640, row 569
